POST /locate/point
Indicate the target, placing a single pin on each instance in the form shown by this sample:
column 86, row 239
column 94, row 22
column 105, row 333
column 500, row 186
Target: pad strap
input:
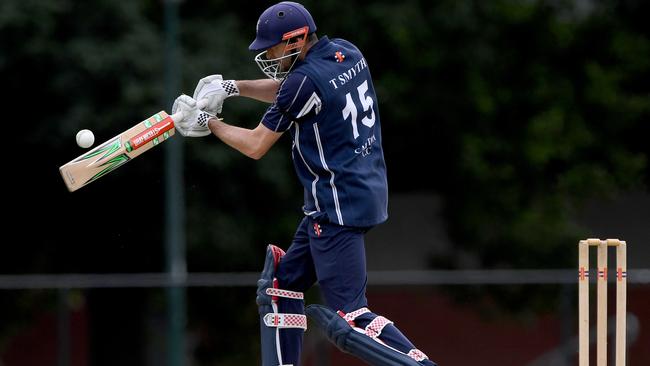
column 349, row 317
column 276, row 292
column 280, row 320
column 417, row 355
column 373, row 329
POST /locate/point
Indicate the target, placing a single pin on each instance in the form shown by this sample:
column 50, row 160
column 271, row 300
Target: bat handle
column 179, row 115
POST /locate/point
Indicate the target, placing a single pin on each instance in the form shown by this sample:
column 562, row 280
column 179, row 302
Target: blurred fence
column 411, row 298
column 245, row 279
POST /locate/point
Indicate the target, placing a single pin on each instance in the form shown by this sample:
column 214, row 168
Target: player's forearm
column 262, row 89
column 240, row 139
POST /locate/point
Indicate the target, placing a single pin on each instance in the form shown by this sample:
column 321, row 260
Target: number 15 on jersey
column 350, row 109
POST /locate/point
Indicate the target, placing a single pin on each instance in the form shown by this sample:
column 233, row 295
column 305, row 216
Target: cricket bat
column 119, row 150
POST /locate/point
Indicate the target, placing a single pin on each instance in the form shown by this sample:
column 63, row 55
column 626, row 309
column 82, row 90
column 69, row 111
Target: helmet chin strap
column 293, row 58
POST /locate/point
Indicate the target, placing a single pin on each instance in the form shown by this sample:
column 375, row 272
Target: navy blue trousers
column 334, row 256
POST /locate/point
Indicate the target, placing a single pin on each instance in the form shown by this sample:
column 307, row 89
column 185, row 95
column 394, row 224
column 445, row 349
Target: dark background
column 517, row 114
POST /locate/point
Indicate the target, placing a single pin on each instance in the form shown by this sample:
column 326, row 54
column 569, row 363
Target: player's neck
column 310, row 43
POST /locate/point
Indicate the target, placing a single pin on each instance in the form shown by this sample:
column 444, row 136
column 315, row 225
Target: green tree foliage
column 99, row 65
column 520, row 110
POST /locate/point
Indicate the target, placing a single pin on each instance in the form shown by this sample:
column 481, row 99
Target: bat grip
column 179, row 115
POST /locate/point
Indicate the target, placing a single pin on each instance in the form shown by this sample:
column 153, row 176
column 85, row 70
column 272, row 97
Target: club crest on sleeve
column 317, row 229
column 339, row 56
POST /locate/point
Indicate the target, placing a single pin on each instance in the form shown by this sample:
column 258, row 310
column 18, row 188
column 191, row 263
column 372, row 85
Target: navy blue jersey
column 328, row 103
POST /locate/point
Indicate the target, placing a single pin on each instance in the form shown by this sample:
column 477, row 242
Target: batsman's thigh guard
column 378, row 342
column 282, row 319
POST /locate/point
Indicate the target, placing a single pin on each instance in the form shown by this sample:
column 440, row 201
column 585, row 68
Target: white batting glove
column 215, row 90
column 195, row 121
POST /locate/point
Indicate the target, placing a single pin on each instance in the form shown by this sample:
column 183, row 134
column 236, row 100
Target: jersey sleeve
column 296, row 98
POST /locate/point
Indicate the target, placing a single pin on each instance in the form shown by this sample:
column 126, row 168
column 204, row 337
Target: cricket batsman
column 321, row 92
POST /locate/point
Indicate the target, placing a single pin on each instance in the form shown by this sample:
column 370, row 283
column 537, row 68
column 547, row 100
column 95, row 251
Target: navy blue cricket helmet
column 278, row 20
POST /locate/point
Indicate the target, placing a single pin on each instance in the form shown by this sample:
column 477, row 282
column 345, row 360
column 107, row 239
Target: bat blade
column 117, row 151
